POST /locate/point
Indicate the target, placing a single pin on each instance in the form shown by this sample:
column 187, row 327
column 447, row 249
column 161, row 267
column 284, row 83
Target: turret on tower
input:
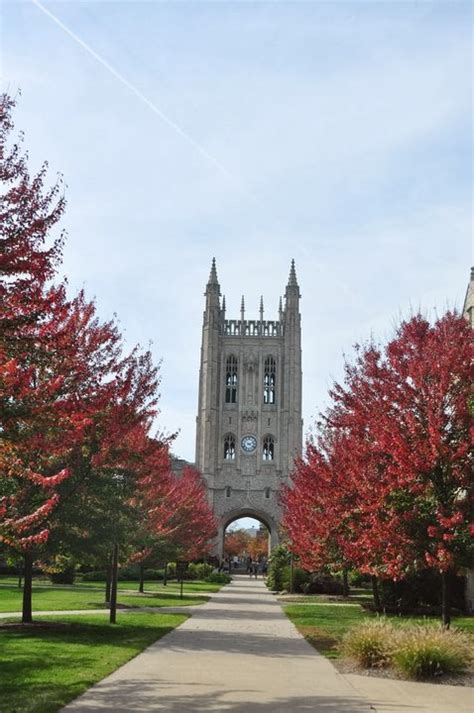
column 213, row 289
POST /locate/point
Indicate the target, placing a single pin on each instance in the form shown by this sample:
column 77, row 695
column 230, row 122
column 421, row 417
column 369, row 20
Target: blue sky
column 335, row 133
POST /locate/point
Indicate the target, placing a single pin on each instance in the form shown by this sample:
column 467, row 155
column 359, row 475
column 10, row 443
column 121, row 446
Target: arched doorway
column 263, row 525
column 246, row 540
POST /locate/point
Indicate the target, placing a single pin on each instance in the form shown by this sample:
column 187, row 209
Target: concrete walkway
column 240, row 654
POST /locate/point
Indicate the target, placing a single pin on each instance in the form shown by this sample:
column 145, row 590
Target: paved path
column 240, row 654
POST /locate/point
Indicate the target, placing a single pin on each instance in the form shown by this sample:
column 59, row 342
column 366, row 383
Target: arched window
column 269, row 379
column 267, row 492
column 227, row 492
column 268, row 448
column 229, row 447
column 231, row 380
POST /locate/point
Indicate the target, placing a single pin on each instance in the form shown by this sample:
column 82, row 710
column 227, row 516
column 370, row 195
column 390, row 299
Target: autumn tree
column 177, row 516
column 36, row 427
column 390, row 474
column 237, row 542
column 73, row 405
column 258, row 546
column 118, row 394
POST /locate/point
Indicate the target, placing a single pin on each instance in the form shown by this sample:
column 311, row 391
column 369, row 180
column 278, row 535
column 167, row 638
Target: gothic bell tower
column 249, row 423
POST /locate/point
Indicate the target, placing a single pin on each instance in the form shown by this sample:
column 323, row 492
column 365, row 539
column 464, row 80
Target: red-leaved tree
column 177, row 517
column 387, row 484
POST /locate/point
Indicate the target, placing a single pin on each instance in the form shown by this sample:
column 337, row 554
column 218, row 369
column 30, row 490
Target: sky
column 338, row 134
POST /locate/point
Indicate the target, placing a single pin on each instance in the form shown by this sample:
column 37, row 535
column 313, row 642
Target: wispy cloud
column 123, row 80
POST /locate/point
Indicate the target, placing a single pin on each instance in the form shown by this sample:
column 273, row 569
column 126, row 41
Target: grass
column 50, row 598
column 150, row 586
column 416, row 650
column 425, row 652
column 357, row 596
column 173, row 586
column 371, row 643
column 324, row 625
column 43, row 668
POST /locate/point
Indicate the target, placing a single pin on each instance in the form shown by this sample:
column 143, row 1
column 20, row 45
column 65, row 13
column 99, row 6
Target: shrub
column 200, row 571
column 129, row 573
column 300, row 579
column 371, row 644
column 420, row 593
column 425, row 651
column 125, row 574
column 99, row 576
column 171, row 570
column 357, row 579
column 320, row 583
column 153, row 574
column 218, row 578
column 66, row 576
column 279, row 559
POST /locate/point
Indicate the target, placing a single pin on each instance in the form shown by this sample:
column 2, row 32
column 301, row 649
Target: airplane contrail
column 166, row 119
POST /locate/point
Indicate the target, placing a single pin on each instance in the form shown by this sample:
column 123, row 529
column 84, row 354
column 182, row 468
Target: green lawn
column 50, row 598
column 150, row 586
column 357, row 596
column 324, row 625
column 191, row 586
column 41, row 669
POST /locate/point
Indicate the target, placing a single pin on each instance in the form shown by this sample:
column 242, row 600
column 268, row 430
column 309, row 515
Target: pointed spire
column 242, row 309
column 213, row 289
column 280, row 307
column 213, row 274
column 223, row 303
column 292, row 281
column 292, row 288
column 261, row 308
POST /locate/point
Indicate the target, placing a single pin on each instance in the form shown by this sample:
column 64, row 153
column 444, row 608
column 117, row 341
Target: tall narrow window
column 269, row 380
column 231, row 380
column 227, row 492
column 267, row 492
column 229, row 447
column 268, row 448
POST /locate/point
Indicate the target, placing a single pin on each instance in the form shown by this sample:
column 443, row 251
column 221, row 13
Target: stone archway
column 229, row 517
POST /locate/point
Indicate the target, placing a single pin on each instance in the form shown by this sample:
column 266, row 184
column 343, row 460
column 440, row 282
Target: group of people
column 254, row 567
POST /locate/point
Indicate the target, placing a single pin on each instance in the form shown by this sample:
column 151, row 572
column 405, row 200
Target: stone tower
column 249, row 424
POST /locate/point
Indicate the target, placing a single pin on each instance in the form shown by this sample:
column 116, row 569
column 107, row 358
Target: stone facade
column 249, row 424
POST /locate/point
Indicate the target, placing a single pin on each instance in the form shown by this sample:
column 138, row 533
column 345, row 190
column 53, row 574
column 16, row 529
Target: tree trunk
column 376, row 594
column 165, row 575
column 108, row 580
column 27, row 615
column 141, row 585
column 446, row 599
column 345, row 583
column 113, row 586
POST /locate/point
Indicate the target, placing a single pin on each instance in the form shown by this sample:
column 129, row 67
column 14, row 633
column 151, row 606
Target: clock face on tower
column 248, row 443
